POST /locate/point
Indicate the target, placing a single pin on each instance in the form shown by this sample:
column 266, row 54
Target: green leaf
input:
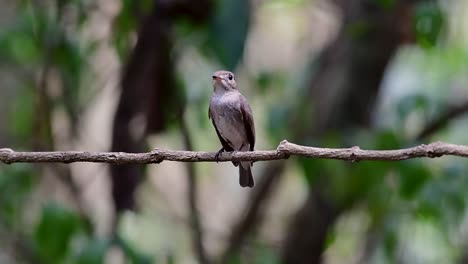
column 428, row 23
column 443, row 196
column 19, row 47
column 427, row 209
column 234, row 259
column 387, row 140
column 229, row 30
column 265, row 80
column 411, row 103
column 16, row 182
column 94, row 252
column 358, row 29
column 390, row 242
column 71, row 62
column 312, row 169
column 277, row 117
column 54, row 232
column 133, row 254
column 126, row 23
column 386, row 4
column 264, row 255
column 365, row 176
column 21, row 117
column 413, row 175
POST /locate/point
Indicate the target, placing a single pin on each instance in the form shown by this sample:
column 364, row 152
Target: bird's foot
column 217, row 154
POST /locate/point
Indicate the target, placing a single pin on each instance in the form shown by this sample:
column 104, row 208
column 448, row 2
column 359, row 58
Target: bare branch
column 284, row 150
column 442, row 121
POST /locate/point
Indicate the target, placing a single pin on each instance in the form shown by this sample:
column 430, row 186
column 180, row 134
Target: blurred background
column 123, row 75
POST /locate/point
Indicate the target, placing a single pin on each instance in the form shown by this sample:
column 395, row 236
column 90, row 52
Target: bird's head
column 224, row 81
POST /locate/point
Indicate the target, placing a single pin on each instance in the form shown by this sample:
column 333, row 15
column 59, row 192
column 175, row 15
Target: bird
column 233, row 121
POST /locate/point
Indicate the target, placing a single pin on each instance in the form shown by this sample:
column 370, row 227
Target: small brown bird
column 232, row 119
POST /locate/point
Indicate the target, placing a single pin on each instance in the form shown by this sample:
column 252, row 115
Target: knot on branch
column 432, row 150
column 156, row 156
column 283, row 148
column 5, row 159
column 112, row 157
column 9, row 150
column 354, row 157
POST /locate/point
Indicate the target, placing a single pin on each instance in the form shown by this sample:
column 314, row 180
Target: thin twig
column 442, row 121
column 284, row 150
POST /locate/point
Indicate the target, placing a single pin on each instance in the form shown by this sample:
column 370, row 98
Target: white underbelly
column 229, row 121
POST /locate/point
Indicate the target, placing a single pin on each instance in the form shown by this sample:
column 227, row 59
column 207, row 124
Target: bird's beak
column 215, row 78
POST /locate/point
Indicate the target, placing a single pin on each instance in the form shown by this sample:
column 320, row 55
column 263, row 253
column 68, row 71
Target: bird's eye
column 230, row 77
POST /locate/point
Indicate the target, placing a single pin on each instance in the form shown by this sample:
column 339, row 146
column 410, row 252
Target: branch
column 284, row 150
column 442, row 121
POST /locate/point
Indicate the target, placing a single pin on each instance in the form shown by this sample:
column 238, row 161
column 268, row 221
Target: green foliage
column 429, row 21
column 277, row 118
column 390, row 243
column 234, row 259
column 358, row 29
column 21, row 118
column 133, row 254
column 351, row 182
column 387, row 4
column 125, row 24
column 16, row 183
column 311, row 169
column 257, row 254
column 55, row 231
column 411, row 103
column 37, row 42
column 19, row 47
column 228, row 31
column 71, row 61
column 62, row 236
column 267, row 80
column 93, row 253
column 443, row 198
column 264, row 255
column 412, row 177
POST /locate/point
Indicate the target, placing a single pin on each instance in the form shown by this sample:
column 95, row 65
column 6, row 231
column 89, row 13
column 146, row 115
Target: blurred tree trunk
column 150, row 99
column 343, row 93
column 150, row 96
column 147, row 80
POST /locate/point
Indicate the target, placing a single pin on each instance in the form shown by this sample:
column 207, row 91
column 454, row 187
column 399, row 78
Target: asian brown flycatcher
column 232, row 119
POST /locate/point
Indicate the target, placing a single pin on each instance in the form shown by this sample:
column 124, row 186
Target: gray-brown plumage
column 232, row 119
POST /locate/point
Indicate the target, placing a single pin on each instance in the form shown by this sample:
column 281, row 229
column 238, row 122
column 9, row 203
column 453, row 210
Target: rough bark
column 284, row 151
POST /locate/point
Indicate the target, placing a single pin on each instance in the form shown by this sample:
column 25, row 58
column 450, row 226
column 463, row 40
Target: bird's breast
column 227, row 116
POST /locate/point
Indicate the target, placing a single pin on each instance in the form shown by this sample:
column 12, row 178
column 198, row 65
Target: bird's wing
column 247, row 118
column 225, row 143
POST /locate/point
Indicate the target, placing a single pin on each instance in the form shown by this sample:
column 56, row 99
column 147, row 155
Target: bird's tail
column 245, row 174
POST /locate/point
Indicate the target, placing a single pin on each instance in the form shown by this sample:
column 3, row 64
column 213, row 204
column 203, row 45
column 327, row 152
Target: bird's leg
column 217, row 154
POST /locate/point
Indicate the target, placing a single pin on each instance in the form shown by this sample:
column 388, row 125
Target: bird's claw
column 217, row 155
